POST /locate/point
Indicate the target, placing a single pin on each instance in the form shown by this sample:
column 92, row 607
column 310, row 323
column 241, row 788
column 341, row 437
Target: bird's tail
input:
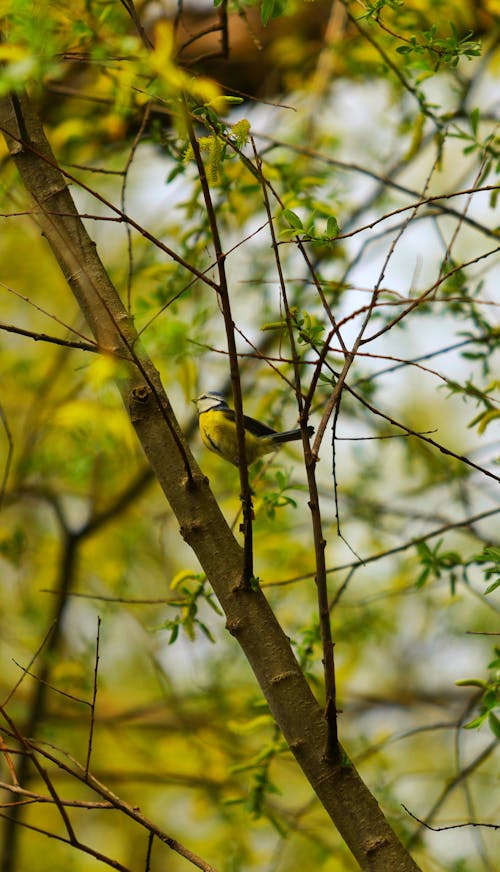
column 290, row 435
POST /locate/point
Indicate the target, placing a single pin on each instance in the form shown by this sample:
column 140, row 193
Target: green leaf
column 477, row 722
column 266, row 11
column 174, row 632
column 271, row 9
column 474, row 120
column 332, row 227
column 213, row 605
column 494, row 724
column 422, row 578
column 293, row 219
column 205, row 630
column 470, row 682
column 182, row 576
column 493, row 586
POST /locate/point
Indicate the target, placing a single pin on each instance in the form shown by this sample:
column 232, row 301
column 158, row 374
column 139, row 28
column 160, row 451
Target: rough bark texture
column 346, row 798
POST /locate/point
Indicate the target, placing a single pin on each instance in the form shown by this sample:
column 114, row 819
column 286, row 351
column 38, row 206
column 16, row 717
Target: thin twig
column 94, row 697
column 380, row 555
column 10, row 451
column 448, row 826
column 223, row 294
column 54, row 340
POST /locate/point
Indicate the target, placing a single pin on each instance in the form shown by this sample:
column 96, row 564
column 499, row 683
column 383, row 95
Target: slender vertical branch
column 94, row 697
column 8, row 459
column 123, row 199
column 332, row 750
column 223, row 292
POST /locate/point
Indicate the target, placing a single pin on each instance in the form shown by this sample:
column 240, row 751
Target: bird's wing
column 256, row 428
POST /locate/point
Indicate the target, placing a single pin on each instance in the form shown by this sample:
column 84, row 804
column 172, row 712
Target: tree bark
column 353, row 809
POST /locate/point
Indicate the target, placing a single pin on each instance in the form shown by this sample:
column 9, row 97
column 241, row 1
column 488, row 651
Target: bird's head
column 210, row 400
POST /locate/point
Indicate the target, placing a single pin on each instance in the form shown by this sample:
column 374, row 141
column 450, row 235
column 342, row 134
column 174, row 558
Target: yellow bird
column 217, row 424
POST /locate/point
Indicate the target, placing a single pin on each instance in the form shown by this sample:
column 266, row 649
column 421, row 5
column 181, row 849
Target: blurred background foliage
column 357, row 111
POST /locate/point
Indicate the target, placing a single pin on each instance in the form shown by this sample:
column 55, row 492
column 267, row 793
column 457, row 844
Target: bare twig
column 332, row 750
column 223, row 294
column 10, row 451
column 380, row 555
column 448, row 826
column 94, row 697
column 54, row 340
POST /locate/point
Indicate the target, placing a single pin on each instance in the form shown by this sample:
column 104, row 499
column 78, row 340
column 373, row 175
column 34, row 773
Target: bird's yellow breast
column 219, row 434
